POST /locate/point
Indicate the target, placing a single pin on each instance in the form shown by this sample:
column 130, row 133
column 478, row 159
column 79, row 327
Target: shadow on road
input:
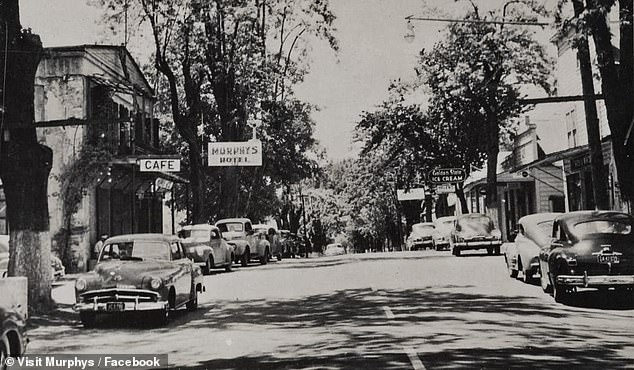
column 448, row 326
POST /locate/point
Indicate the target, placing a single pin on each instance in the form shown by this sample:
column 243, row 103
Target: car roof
column 537, row 218
column 147, row 236
column 424, row 224
column 576, row 216
column 200, row 227
column 235, row 219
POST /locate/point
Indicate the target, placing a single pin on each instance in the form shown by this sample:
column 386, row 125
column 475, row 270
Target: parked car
column 273, row 236
column 442, row 232
column 239, row 231
column 421, row 236
column 205, row 246
column 57, row 268
column 522, row 253
column 334, row 249
column 13, row 337
column 474, row 231
column 287, row 243
column 139, row 272
column 589, row 249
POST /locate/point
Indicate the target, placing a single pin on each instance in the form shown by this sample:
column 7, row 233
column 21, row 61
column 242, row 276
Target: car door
column 220, row 255
column 182, row 279
column 250, row 236
column 545, row 250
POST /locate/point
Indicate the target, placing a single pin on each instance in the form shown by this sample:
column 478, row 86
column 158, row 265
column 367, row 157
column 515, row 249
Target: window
column 176, row 251
column 571, row 128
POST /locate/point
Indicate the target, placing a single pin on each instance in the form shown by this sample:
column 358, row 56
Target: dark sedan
column 139, row 272
column 589, row 249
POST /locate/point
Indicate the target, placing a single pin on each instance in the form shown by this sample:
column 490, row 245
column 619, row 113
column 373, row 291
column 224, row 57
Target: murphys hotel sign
column 237, row 153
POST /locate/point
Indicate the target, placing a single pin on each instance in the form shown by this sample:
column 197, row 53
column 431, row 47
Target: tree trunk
column 24, row 163
column 463, row 200
column 617, row 92
column 493, row 148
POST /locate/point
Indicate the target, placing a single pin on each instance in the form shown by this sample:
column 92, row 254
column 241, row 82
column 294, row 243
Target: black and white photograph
column 316, row 184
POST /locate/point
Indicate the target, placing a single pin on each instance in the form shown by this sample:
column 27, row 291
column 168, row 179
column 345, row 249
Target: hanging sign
column 236, row 153
column 159, row 165
column 447, row 175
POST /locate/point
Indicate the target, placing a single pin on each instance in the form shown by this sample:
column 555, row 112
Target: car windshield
column 422, row 229
column 231, row 226
column 195, row 233
column 476, row 223
column 622, row 227
column 136, row 250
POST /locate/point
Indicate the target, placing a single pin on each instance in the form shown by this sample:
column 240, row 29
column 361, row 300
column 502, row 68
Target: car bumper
column 101, row 307
column 595, row 281
column 477, row 244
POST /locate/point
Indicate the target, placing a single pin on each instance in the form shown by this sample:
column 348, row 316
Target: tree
column 224, row 61
column 24, row 163
column 617, row 76
column 476, row 74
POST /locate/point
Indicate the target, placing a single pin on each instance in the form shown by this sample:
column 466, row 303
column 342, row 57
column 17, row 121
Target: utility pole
column 599, row 183
column 304, row 218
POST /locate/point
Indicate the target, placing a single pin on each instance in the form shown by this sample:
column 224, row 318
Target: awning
column 505, row 177
column 555, row 157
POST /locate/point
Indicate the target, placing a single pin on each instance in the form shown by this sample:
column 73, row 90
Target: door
column 183, row 279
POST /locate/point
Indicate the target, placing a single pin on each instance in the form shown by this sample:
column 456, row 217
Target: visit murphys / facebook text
column 91, row 361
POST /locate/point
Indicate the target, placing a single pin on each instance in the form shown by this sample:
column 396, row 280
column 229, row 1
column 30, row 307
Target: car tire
column 192, row 305
column 545, row 283
column 229, row 266
column 206, row 269
column 512, row 272
column 490, row 251
column 265, row 259
column 456, row 252
column 496, row 250
column 560, row 293
column 527, row 277
column 4, row 353
column 246, row 257
column 161, row 317
column 87, row 319
column 279, row 257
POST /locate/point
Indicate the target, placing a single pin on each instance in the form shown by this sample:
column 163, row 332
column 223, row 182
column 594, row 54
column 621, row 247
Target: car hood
column 132, row 273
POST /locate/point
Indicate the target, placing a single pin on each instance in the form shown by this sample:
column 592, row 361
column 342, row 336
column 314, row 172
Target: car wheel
column 512, row 272
column 560, row 292
column 87, row 319
column 4, row 353
column 246, row 257
column 192, row 305
column 527, row 276
column 207, row 268
column 496, row 250
column 456, row 252
column 265, row 259
column 543, row 279
column 229, row 266
column 279, row 257
column 490, row 251
column 162, row 316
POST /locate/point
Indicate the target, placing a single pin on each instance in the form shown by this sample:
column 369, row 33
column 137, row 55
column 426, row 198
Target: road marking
column 417, row 364
column 388, row 312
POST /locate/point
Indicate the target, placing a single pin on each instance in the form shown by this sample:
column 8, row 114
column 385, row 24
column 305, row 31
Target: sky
column 373, row 52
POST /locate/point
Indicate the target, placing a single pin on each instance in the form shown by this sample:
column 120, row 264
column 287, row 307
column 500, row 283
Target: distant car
column 474, row 231
column 442, row 232
column 57, row 268
column 13, row 337
column 589, row 249
column 274, row 238
column 205, row 246
column 421, row 236
column 139, row 273
column 334, row 249
column 522, row 253
column 287, row 244
column 240, row 232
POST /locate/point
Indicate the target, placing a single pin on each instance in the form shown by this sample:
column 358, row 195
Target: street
column 397, row 310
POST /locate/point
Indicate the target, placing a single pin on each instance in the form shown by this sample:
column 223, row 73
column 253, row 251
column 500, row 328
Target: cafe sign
column 159, row 165
column 236, row 153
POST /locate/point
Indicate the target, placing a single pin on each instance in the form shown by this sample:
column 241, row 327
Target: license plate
column 608, row 258
column 115, row 306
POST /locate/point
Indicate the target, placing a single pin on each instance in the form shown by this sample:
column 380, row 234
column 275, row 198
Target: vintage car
column 286, row 241
column 421, row 236
column 13, row 337
column 139, row 272
column 442, row 232
column 205, row 246
column 522, row 253
column 588, row 249
column 239, row 232
column 474, row 231
column 274, row 238
column 334, row 249
column 57, row 268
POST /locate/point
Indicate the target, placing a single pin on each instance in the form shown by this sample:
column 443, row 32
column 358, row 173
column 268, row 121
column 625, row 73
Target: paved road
column 397, row 310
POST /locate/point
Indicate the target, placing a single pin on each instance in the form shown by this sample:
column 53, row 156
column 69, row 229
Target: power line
column 516, row 23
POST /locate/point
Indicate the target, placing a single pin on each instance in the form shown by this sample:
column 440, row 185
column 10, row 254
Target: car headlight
column 80, row 284
column 155, row 283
